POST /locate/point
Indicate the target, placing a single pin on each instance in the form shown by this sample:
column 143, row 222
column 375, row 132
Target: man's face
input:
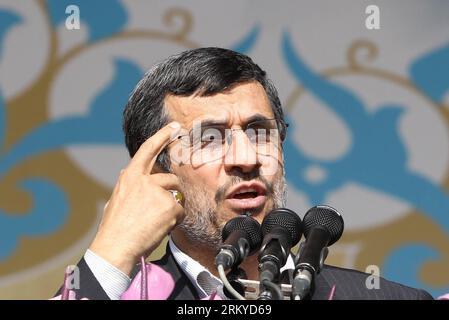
column 246, row 176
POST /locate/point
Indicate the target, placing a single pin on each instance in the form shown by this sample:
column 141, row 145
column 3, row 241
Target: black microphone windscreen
column 285, row 218
column 247, row 224
column 327, row 217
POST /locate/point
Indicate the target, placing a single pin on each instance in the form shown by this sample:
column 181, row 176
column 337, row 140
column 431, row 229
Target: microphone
column 281, row 229
column 241, row 237
column 323, row 226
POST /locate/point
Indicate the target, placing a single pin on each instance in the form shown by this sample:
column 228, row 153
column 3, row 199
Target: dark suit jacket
column 350, row 284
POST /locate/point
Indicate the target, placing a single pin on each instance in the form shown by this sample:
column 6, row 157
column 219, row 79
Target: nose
column 241, row 154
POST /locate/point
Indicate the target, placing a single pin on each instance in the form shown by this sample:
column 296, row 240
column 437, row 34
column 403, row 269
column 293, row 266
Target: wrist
column 120, row 259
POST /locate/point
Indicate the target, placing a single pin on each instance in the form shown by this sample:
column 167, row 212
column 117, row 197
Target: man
column 200, row 124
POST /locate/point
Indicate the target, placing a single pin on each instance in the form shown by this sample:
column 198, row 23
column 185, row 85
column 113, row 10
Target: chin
column 256, row 213
column 259, row 215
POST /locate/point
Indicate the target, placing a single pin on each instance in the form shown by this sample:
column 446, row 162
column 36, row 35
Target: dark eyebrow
column 212, row 122
column 257, row 117
column 253, row 118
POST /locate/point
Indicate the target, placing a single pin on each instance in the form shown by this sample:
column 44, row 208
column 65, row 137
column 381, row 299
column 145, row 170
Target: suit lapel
column 322, row 288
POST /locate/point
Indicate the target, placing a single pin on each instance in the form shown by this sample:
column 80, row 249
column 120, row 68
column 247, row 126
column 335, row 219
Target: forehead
column 234, row 106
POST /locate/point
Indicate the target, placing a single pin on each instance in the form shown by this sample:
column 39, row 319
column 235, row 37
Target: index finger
column 150, row 149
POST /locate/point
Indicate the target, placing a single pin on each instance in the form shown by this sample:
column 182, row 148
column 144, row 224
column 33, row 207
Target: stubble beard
column 204, row 219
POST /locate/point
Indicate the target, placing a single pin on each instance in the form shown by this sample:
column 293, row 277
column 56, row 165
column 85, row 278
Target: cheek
column 206, row 176
column 271, row 165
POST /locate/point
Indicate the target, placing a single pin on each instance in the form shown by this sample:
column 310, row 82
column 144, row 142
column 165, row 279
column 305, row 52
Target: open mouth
column 247, row 196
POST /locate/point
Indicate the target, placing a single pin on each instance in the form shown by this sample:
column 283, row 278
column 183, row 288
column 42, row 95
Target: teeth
column 244, row 190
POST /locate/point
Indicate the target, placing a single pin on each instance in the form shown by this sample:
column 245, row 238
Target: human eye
column 259, row 131
column 212, row 136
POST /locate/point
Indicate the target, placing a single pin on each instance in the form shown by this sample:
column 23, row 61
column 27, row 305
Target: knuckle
column 153, row 182
column 172, row 176
column 150, row 180
column 173, row 222
column 181, row 212
column 168, row 176
column 149, row 145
